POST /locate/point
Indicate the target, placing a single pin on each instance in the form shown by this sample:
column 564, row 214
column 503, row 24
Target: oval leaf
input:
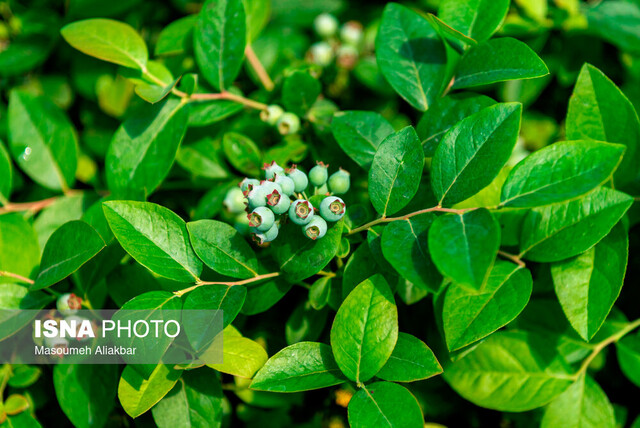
column 411, row 360
column 477, row 19
column 385, row 404
column 359, row 133
column 139, row 393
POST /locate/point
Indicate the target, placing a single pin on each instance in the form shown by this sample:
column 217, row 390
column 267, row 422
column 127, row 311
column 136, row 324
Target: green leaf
column 588, row 285
column 359, row 133
column 219, row 41
column 153, row 93
column 144, row 147
column 204, row 113
column 6, row 173
column 262, row 295
column 557, row 232
column 473, row 151
column 156, row 237
column 498, row 60
column 223, row 249
column 477, row 19
column 319, row 292
column 446, row 112
column 404, row 245
column 598, row 110
column 385, row 404
column 511, row 371
column 305, row 324
column 108, row 40
column 410, row 360
column 365, row 330
column 216, row 297
column 395, row 172
column 71, row 246
column 464, row 246
column 616, row 22
column 628, row 351
column 19, row 250
column 139, row 393
column 300, row 257
column 177, row 37
column 86, row 392
column 469, row 315
column 300, row 367
column 195, row 401
column 411, row 55
column 14, row 296
column 202, row 159
column 42, row 140
column 242, row 153
column 450, row 34
column 560, row 172
column 583, row 404
column 299, row 91
column 241, row 357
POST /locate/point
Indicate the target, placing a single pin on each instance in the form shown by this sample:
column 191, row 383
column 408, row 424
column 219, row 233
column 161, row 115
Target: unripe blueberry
column 271, row 169
column 246, row 182
column 278, row 202
column 256, row 197
column 321, row 54
column 316, row 228
column 286, row 183
column 234, row 200
column 299, row 178
column 351, row 33
column 332, row 208
column 268, row 236
column 288, row 123
column 301, row 212
column 68, row 304
column 347, row 56
column 319, row 174
column 268, row 186
column 56, row 342
column 261, row 219
column 339, row 182
column 322, row 190
column 241, row 224
column 271, row 114
column 325, row 25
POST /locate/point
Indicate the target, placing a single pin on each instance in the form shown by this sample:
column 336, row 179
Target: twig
column 16, row 276
column 243, row 282
column 28, row 206
column 516, row 259
column 405, row 217
column 258, row 68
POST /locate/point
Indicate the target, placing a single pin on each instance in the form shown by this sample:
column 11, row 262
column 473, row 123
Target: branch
column 243, row 282
column 516, row 259
column 405, row 217
column 258, row 68
column 27, row 206
column 16, row 276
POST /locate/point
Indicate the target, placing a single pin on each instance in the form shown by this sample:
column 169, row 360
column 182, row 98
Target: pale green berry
column 246, row 182
column 261, row 218
column 56, row 342
column 256, row 197
column 68, row 304
column 351, row 33
column 278, row 202
column 319, row 174
column 269, row 186
column 288, row 123
column 321, row 54
column 271, row 114
column 271, row 169
column 332, row 208
column 286, row 183
column 339, row 182
column 322, row 190
column 301, row 212
column 347, row 56
column 268, row 236
column 234, row 201
column 241, row 224
column 300, row 179
column 316, row 228
column 326, row 25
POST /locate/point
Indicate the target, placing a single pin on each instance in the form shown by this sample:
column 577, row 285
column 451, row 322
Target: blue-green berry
column 301, row 212
column 268, row 186
column 278, row 202
column 286, row 183
column 339, row 182
column 326, row 25
column 332, row 208
column 319, row 174
column 271, row 169
column 288, row 123
column 256, row 197
column 234, row 200
column 271, row 114
column 268, row 236
column 261, row 218
column 316, row 228
column 246, row 182
column 300, row 179
column 68, row 304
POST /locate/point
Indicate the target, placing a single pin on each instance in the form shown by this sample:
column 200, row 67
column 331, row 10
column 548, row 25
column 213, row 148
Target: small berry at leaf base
column 286, row 183
column 246, row 182
column 279, row 203
column 351, row 33
column 271, row 114
column 319, row 174
column 316, row 228
column 320, row 54
column 301, row 212
column 234, row 201
column 326, row 25
column 261, row 219
column 271, row 169
column 299, row 178
column 68, row 304
column 347, row 57
column 288, row 123
column 332, row 208
column 256, row 197
column 241, row 224
column 263, row 237
column 339, row 182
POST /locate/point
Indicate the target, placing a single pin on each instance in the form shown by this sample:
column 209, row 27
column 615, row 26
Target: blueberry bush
column 413, row 214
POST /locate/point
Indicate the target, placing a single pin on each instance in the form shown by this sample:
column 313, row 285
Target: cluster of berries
column 283, row 195
column 345, row 48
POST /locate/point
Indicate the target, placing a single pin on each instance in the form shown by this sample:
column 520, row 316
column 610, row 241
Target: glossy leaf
column 242, row 153
column 241, row 357
column 384, row 404
column 477, row 19
column 395, row 172
column 138, row 393
column 156, row 237
column 211, row 297
column 299, row 91
column 411, row 360
column 19, row 250
column 464, row 246
column 177, row 37
column 6, row 173
column 300, row 367
column 628, row 352
column 472, row 152
column 365, row 330
column 14, row 296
